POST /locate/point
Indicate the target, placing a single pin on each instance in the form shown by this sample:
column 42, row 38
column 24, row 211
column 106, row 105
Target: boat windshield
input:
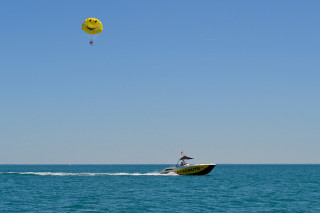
column 183, row 161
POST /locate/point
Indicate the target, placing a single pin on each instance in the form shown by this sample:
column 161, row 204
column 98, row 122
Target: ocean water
column 140, row 188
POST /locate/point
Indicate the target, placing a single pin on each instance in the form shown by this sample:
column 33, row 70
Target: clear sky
column 224, row 81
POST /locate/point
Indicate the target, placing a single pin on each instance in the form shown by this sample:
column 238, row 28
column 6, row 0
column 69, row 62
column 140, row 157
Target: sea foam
column 87, row 174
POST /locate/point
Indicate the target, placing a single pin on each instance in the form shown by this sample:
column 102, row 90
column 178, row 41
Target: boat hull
column 196, row 169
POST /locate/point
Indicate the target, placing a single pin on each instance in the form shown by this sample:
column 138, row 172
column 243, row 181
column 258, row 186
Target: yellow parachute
column 92, row 26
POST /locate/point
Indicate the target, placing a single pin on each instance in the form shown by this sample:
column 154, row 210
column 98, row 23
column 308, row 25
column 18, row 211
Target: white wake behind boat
column 184, row 168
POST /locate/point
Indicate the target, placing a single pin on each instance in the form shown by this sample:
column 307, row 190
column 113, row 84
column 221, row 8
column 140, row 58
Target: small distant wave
column 86, row 174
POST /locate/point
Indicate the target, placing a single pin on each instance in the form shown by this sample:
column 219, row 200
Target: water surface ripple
column 140, row 188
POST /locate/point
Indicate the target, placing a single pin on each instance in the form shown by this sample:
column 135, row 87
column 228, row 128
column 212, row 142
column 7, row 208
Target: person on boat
column 183, row 163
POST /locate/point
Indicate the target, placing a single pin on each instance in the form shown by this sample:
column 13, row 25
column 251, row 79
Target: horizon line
column 69, row 164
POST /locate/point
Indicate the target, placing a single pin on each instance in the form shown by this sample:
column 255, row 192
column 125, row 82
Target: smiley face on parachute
column 92, row 26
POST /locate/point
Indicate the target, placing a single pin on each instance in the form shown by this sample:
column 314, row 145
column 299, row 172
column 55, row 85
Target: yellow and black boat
column 184, row 168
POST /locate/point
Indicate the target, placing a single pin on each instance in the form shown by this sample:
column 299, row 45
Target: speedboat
column 184, row 168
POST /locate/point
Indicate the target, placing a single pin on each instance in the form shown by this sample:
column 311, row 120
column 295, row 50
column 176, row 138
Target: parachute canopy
column 92, row 26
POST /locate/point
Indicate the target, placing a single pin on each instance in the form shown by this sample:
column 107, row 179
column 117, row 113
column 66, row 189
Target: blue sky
column 224, row 81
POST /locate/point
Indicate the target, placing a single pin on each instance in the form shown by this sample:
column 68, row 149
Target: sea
column 141, row 188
